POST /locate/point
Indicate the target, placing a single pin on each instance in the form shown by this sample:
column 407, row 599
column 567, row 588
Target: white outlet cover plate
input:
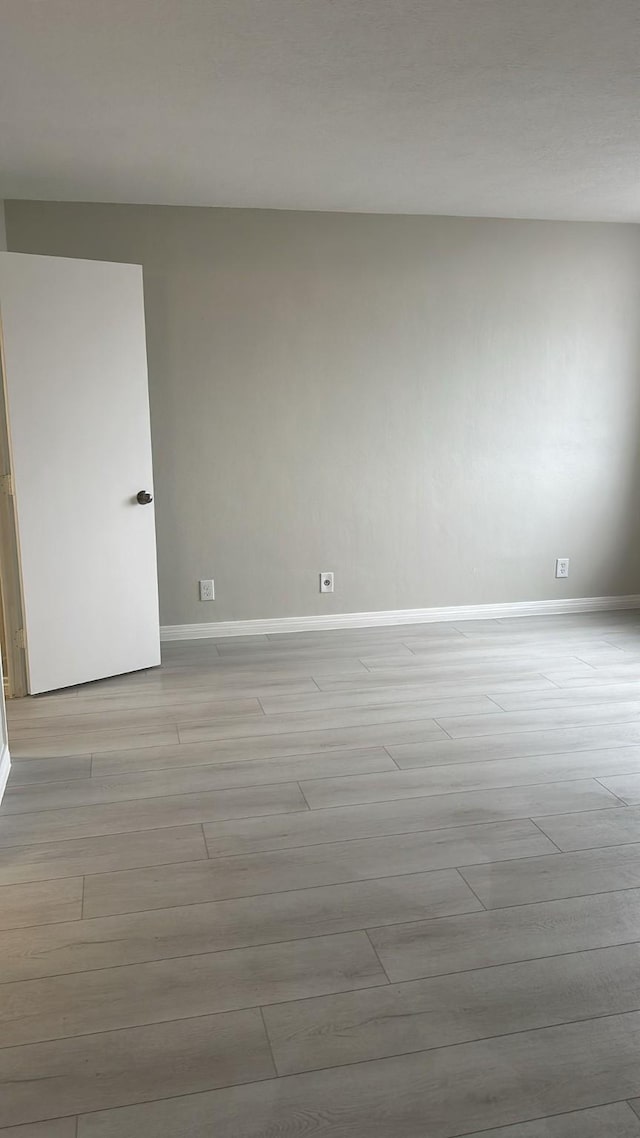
column 562, row 566
column 207, row 590
column 326, row 582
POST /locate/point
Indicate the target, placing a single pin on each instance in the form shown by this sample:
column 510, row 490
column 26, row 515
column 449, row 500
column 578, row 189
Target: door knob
column 144, row 497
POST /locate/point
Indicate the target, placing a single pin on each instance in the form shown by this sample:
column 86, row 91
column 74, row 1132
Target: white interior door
column 75, row 373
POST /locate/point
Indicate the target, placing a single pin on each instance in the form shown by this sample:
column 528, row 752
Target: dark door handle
column 144, row 497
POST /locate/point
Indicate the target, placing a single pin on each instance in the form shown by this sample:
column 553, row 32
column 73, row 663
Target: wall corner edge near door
column 5, row 769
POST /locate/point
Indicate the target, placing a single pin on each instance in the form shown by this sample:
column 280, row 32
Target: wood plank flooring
column 378, row 883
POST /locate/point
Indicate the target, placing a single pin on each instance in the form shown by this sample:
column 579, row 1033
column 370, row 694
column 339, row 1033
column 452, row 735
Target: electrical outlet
column 207, row 591
column 326, row 582
column 562, row 566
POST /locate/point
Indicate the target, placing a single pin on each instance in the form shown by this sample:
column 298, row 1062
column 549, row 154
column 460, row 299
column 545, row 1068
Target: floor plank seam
column 306, row 888
column 382, row 984
column 541, row 1118
column 302, row 999
column 169, row 1098
column 532, row 730
column 377, row 955
column 221, row 762
column 129, row 833
column 155, row 797
column 137, row 868
column 395, row 763
column 470, row 887
column 612, row 774
column 26, row 787
column 382, row 725
column 304, row 755
column 440, row 794
column 316, row 811
column 464, row 1042
column 305, row 798
column 276, row 1073
column 498, row 964
column 4, row 814
column 547, row 900
column 592, row 849
column 552, row 681
column 545, row 835
column 395, row 834
column 494, row 700
column 192, row 955
column 444, row 730
column 364, row 1062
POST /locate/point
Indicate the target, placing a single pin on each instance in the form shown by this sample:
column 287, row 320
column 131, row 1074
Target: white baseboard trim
column 5, row 767
column 223, row 628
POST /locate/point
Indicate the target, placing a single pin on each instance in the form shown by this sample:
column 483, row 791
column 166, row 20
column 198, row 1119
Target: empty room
column 320, row 569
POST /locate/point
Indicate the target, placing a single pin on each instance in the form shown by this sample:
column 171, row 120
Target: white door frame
column 10, row 577
column 5, row 758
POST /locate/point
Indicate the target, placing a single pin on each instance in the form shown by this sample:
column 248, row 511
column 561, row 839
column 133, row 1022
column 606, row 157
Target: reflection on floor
column 357, row 884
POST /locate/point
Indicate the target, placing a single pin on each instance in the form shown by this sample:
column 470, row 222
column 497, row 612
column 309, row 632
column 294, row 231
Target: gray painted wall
column 3, row 236
column 433, row 408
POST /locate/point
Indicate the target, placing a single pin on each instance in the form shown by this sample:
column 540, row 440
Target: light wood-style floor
column 359, row 884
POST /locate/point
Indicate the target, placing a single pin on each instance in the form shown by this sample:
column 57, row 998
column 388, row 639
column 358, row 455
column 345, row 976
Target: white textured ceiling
column 521, row 108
